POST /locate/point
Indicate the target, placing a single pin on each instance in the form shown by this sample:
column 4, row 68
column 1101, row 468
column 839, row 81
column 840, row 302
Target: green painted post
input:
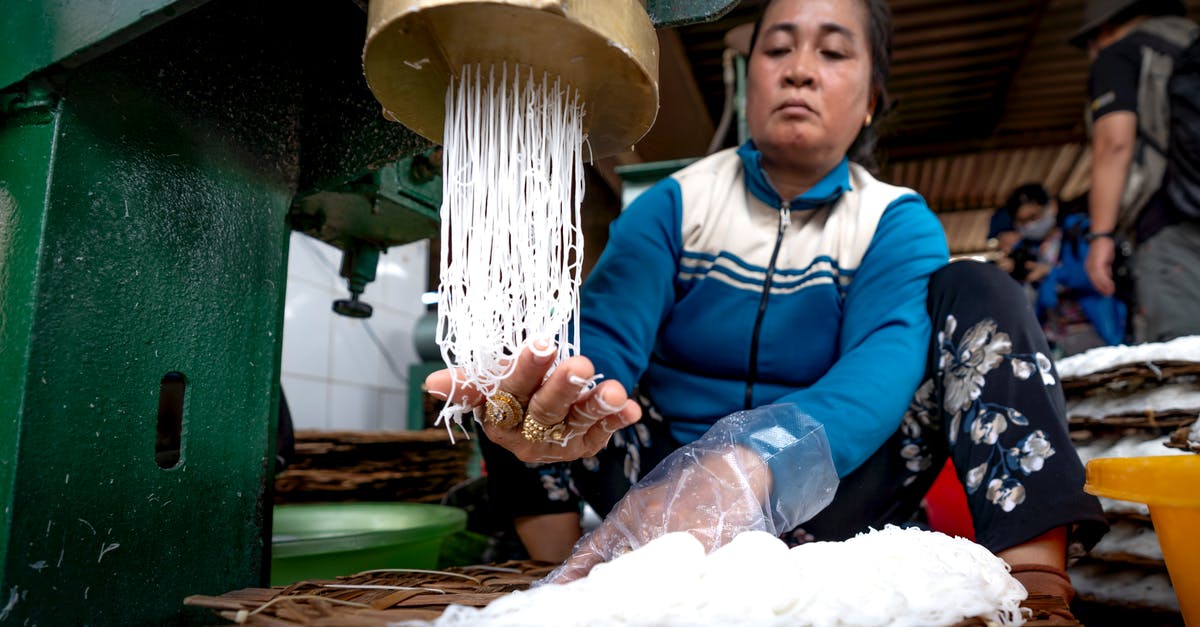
column 98, row 532
column 25, row 152
column 149, row 153
column 142, row 232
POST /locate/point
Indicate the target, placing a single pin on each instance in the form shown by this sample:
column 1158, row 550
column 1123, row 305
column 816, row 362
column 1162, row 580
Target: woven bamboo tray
column 1130, row 375
column 417, row 466
column 1145, row 420
column 373, row 598
column 377, row 598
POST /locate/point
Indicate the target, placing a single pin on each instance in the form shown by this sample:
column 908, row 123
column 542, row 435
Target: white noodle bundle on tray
column 892, row 577
column 512, row 248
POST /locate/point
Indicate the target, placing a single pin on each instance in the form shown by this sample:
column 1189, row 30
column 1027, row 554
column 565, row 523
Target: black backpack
column 1182, row 184
column 1168, row 151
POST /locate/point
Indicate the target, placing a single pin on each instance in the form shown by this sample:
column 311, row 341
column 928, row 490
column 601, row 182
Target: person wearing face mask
column 785, row 348
column 1030, row 250
column 1039, row 229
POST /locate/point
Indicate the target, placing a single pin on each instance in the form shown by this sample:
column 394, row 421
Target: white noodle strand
column 512, row 249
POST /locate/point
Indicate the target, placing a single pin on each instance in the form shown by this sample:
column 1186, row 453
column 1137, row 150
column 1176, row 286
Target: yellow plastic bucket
column 1170, row 485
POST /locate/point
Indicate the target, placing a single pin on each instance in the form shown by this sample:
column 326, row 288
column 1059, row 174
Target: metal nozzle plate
column 607, row 49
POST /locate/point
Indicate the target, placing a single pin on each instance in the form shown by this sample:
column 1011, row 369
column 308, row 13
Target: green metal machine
column 154, row 155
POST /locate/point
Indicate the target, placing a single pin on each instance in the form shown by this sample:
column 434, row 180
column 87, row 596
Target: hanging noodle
column 511, row 249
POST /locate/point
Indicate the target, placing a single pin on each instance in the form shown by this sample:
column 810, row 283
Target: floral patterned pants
column 990, row 401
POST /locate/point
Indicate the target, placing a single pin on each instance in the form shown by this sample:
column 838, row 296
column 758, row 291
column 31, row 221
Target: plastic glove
column 767, row 469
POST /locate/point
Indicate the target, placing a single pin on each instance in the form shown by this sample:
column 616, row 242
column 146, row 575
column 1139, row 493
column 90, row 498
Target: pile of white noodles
column 511, row 247
column 895, row 577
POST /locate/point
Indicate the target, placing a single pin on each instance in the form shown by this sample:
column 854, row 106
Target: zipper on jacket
column 785, row 220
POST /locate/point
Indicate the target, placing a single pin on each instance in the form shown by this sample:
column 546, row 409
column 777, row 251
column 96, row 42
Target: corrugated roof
column 987, row 96
column 984, row 179
column 966, row 75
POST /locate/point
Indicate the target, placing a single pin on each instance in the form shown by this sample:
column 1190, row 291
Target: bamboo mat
column 418, row 466
column 372, row 598
column 1147, row 419
column 1130, row 375
column 377, row 598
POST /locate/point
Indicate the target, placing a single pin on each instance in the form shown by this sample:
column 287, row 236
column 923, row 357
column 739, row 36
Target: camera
column 1023, row 253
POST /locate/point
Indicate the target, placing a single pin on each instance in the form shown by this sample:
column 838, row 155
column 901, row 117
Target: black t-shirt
column 1113, row 86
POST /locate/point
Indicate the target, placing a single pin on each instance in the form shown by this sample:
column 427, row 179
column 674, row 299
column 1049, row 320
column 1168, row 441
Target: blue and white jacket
column 715, row 295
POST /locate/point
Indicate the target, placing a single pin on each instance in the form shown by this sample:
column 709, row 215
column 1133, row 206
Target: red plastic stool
column 946, row 505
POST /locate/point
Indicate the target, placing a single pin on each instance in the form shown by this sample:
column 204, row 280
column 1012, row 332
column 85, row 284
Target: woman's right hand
column 588, row 415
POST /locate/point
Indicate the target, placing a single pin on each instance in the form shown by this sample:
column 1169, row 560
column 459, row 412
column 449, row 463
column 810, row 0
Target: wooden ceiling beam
column 901, row 81
column 940, row 92
column 1034, row 85
column 905, row 18
column 1053, row 64
column 958, row 195
column 1063, row 117
column 996, row 111
column 944, row 32
column 942, row 49
column 985, row 59
column 930, row 138
column 961, row 116
column 1080, row 179
column 1064, row 160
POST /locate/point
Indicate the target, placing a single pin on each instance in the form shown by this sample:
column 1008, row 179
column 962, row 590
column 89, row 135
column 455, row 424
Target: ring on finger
column 535, row 431
column 504, row 410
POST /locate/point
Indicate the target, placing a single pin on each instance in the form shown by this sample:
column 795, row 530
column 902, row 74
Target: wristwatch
column 1094, row 236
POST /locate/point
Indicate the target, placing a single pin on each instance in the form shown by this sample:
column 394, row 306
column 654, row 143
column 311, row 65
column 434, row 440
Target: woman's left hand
column 720, row 486
column 572, row 419
column 712, row 493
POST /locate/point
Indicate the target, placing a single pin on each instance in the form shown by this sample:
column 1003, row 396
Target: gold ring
column 504, row 410
column 535, row 431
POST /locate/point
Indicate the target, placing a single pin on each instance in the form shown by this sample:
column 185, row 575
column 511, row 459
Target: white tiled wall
column 344, row 373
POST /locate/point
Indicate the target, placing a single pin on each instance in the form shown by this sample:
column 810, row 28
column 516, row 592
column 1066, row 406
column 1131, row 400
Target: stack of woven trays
column 385, row 597
column 1131, row 401
column 415, row 466
column 373, row 598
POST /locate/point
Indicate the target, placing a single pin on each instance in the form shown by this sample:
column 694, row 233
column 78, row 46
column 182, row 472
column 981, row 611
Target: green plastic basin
column 323, row 541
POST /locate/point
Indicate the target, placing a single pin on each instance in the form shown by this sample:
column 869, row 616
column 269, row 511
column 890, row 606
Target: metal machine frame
column 153, row 156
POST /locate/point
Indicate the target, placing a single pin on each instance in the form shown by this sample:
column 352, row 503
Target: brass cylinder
column 607, row 49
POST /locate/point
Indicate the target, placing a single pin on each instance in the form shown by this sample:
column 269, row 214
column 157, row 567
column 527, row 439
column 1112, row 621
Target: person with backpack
column 1144, row 94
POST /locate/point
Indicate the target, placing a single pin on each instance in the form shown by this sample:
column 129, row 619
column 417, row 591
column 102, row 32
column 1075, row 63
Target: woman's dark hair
column 1029, row 193
column 879, row 37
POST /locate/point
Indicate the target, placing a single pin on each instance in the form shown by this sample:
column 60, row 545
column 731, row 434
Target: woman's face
column 809, row 81
column 1027, row 213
